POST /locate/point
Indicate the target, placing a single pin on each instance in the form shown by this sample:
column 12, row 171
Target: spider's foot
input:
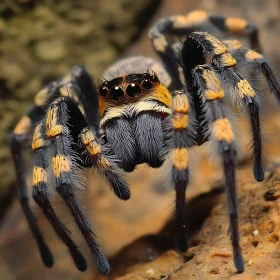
column 46, row 255
column 258, row 172
column 238, row 260
column 78, row 259
column 102, row 263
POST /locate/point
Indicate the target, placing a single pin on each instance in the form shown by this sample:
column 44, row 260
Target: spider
column 143, row 117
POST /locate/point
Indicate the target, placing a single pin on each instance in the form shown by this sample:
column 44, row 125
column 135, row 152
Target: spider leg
column 65, row 168
column 225, row 65
column 238, row 26
column 19, row 137
column 88, row 94
column 222, row 133
column 185, row 24
column 40, row 195
column 180, row 175
column 64, row 125
column 253, row 59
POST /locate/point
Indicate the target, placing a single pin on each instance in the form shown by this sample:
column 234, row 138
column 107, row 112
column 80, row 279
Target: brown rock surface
column 210, row 257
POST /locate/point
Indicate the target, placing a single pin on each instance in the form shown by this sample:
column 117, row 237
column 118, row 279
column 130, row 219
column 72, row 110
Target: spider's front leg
column 65, row 126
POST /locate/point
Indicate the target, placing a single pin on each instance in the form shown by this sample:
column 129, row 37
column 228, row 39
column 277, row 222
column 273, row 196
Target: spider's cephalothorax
column 143, row 116
column 132, row 109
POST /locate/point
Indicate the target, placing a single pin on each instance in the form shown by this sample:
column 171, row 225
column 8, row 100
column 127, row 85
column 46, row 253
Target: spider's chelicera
column 144, row 117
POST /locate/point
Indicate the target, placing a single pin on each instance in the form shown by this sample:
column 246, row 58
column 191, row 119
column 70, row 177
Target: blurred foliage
column 41, row 40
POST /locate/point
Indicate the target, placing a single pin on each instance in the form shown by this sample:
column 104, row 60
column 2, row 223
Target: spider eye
column 103, row 91
column 133, row 90
column 117, row 93
column 147, row 84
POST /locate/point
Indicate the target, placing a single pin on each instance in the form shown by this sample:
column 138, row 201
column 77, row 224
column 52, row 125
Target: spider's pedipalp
column 221, row 132
column 107, row 165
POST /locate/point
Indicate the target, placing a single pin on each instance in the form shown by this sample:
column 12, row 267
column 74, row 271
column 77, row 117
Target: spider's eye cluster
column 128, row 87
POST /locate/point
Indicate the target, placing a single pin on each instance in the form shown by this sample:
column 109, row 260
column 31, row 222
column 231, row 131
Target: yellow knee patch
column 37, row 141
column 60, row 164
column 252, row 55
column 193, row 18
column 235, row 25
column 52, row 128
column 180, row 103
column 39, row 176
column 180, row 158
column 226, row 60
column 213, row 88
column 160, row 43
column 222, row 130
column 218, row 47
column 87, row 136
column 23, row 126
column 244, row 88
column 89, row 142
column 180, row 121
column 103, row 162
column 41, row 97
column 233, row 45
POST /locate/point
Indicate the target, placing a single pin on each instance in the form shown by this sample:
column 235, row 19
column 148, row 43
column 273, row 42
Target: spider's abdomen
column 133, row 107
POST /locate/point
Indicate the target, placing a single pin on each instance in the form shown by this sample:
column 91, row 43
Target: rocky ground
column 136, row 235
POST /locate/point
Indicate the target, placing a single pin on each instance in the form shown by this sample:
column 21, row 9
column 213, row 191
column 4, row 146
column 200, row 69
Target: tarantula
column 135, row 117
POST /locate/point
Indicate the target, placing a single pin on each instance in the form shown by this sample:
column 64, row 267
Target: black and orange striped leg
column 254, row 60
column 180, row 141
column 193, row 55
column 65, row 167
column 220, row 131
column 183, row 25
column 238, row 26
column 41, row 193
column 225, row 65
column 165, row 51
column 99, row 156
column 19, row 137
column 87, row 94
